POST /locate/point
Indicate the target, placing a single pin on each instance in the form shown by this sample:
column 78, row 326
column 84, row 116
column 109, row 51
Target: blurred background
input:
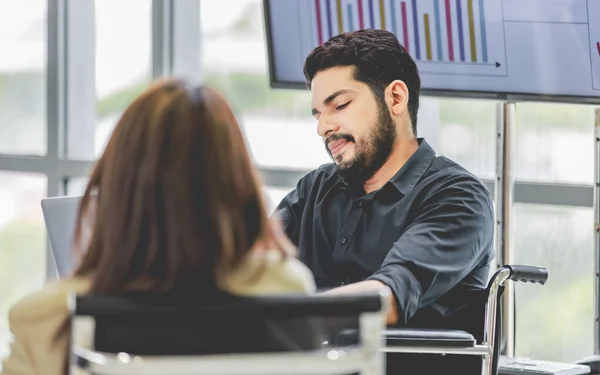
column 50, row 134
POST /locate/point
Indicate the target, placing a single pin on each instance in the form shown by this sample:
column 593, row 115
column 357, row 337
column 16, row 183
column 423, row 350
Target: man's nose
column 326, row 126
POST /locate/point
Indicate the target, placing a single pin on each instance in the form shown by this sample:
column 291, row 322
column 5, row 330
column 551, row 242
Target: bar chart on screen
column 548, row 49
column 443, row 36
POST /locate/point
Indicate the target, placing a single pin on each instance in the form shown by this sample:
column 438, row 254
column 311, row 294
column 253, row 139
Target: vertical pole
column 597, row 231
column 504, row 203
column 162, row 41
column 55, row 106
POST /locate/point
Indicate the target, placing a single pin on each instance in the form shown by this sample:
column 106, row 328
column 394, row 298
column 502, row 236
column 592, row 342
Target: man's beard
column 370, row 153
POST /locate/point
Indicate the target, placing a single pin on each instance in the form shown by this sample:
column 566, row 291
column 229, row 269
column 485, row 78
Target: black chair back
column 149, row 325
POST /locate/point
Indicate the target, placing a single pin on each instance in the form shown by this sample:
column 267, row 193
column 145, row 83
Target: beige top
column 36, row 320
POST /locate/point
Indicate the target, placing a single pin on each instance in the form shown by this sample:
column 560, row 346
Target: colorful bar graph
column 382, row 14
column 437, row 18
column 405, row 26
column 319, row 22
column 416, row 27
column 427, row 36
column 472, row 31
column 361, row 20
column 438, row 29
column 461, row 43
column 340, row 15
column 449, row 31
column 482, row 27
column 350, row 16
column 329, row 18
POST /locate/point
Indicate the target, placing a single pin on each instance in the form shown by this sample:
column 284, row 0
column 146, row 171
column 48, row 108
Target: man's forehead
column 333, row 80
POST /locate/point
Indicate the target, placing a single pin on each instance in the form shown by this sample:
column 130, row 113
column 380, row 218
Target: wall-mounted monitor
column 501, row 49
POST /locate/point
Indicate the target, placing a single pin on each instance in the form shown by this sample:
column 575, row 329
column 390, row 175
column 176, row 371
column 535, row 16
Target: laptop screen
column 60, row 214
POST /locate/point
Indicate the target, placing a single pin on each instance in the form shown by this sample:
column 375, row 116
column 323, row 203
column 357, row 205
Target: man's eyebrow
column 330, row 98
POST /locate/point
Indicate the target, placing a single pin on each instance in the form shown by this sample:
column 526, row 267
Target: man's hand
column 367, row 286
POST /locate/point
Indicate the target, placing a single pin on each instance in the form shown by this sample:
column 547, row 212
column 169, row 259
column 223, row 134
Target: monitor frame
column 274, row 83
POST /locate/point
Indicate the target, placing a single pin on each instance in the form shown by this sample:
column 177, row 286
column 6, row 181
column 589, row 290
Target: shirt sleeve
column 290, row 209
column 449, row 237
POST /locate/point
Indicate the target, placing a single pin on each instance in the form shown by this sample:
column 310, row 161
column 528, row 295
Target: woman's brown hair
column 174, row 199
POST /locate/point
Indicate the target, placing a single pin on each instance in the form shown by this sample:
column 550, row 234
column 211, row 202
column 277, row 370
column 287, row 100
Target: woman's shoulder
column 50, row 300
column 293, row 270
column 269, row 273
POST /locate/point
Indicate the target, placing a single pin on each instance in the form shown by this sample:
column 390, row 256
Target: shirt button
column 343, row 241
column 360, row 203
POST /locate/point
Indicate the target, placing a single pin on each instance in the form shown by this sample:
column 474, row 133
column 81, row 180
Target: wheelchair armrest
column 532, row 274
column 425, row 337
column 421, row 337
column 516, row 272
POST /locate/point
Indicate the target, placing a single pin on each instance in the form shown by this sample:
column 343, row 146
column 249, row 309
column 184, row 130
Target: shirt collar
column 411, row 172
column 414, row 168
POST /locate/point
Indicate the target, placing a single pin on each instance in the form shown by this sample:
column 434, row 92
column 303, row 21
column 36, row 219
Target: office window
column 122, row 59
column 22, row 241
column 555, row 321
column 554, row 143
column 467, row 134
column 23, row 77
column 277, row 123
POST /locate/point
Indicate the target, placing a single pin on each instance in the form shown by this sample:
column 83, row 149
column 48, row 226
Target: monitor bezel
column 274, row 83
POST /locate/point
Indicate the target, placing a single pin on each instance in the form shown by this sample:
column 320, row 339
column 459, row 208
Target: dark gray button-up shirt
column 428, row 233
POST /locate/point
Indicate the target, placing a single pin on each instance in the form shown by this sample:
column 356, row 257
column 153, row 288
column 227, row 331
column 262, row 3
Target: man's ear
column 397, row 97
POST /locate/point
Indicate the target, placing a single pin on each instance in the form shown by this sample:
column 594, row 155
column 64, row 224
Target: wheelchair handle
column 530, row 274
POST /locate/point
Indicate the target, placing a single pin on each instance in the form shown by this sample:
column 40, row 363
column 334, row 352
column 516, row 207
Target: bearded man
column 388, row 212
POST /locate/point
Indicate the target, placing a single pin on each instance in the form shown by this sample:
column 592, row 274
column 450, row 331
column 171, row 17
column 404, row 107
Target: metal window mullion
column 28, row 164
column 176, row 39
column 55, row 108
column 162, row 22
column 55, row 79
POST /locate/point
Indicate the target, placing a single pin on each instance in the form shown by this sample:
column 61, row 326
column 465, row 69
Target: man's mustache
column 338, row 137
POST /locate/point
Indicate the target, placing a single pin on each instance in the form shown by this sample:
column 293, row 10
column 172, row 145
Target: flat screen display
column 526, row 49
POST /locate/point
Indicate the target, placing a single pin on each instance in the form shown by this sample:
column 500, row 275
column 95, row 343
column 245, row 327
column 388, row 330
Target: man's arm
column 441, row 247
column 370, row 286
